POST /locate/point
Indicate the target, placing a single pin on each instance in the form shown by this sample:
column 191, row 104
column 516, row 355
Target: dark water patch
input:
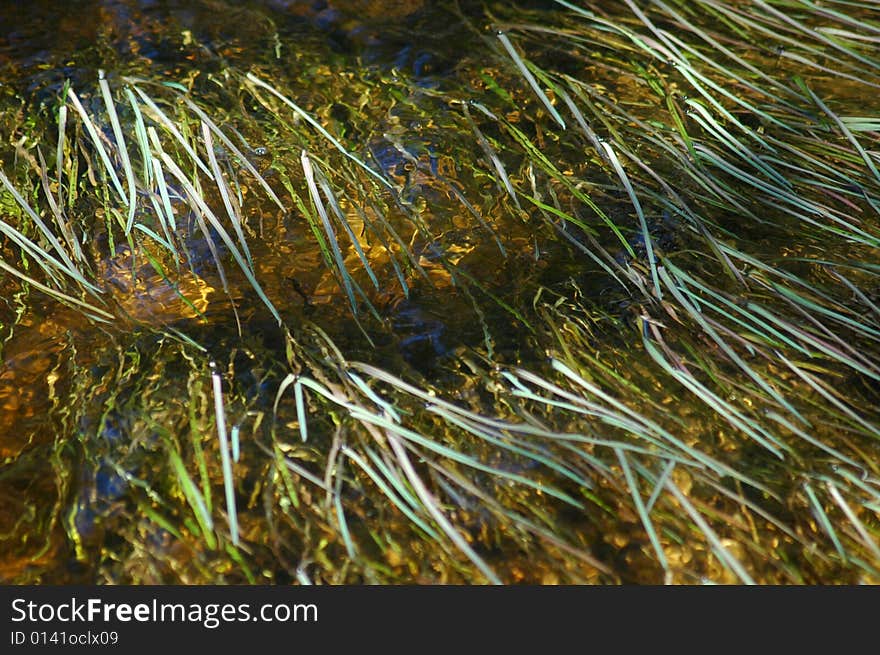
column 420, row 335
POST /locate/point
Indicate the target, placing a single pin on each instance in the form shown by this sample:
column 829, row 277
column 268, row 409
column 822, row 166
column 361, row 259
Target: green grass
column 599, row 306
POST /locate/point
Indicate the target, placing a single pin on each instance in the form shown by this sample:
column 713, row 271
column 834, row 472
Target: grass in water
column 592, row 300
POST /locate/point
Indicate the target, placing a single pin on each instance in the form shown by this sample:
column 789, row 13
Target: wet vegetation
column 454, row 292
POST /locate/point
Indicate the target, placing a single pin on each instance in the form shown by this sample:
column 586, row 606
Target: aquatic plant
column 596, row 304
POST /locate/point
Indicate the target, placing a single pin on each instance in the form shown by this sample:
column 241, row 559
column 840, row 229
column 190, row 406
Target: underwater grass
column 648, row 233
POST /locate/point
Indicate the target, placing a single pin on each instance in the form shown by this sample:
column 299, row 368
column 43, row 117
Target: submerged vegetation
column 550, row 292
